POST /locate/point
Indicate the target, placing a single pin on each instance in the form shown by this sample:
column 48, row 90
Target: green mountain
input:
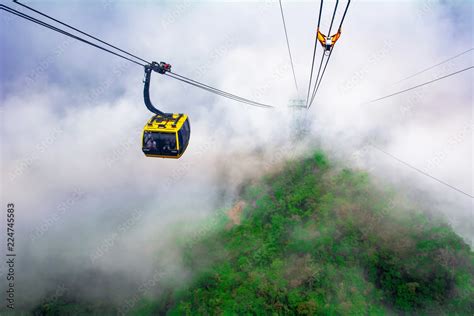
column 315, row 239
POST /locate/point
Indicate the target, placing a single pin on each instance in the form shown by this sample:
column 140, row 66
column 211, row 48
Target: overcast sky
column 72, row 116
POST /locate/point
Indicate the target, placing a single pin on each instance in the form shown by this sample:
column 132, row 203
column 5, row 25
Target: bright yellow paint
column 164, row 124
column 153, row 125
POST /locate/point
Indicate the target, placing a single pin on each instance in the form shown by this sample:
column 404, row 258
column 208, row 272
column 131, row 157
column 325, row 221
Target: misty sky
column 71, row 117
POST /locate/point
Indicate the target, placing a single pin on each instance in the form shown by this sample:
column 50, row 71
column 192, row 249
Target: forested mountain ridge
column 315, row 239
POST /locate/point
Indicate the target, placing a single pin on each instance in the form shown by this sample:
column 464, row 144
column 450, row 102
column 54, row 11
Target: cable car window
column 185, row 132
column 181, row 143
column 159, row 143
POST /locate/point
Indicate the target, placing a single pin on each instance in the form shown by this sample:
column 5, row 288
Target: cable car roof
column 161, row 123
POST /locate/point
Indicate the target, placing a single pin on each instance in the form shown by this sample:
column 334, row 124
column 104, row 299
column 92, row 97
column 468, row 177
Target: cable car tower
column 300, row 122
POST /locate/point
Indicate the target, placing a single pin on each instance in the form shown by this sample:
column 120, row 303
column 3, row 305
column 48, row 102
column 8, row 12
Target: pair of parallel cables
column 309, row 101
column 116, row 51
column 318, row 78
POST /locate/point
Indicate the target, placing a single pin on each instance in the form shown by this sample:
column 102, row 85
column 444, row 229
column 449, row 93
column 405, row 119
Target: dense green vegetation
column 318, row 240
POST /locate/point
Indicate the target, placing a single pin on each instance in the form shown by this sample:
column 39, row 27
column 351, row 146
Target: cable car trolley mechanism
column 165, row 135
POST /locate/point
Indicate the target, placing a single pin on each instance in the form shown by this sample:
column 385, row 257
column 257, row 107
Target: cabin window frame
column 160, row 151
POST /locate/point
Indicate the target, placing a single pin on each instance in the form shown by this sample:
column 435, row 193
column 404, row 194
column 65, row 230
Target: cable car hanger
column 161, row 68
column 327, row 42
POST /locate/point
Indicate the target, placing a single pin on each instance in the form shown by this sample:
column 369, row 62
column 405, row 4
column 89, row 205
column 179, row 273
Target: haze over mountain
column 97, row 219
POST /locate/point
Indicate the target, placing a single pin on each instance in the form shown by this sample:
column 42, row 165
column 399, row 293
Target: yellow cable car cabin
column 166, row 136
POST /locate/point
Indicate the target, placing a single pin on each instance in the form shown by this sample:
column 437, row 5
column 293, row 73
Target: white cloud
column 238, row 47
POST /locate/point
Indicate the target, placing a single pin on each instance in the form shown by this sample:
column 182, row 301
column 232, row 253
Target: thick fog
column 93, row 214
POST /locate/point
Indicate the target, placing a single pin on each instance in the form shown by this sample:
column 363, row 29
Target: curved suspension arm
column 160, row 68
